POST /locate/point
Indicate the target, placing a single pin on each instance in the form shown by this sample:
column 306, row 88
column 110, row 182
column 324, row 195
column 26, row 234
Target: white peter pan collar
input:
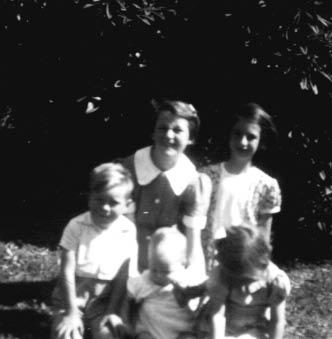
column 179, row 176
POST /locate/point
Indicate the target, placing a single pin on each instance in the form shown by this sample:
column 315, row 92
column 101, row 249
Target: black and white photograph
column 166, row 169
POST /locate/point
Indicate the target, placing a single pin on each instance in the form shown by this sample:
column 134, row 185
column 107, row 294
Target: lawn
column 27, row 274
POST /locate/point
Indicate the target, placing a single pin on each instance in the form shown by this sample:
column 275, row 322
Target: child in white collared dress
column 243, row 194
column 168, row 189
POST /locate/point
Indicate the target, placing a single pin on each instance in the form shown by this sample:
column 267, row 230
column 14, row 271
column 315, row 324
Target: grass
column 309, row 308
column 27, row 275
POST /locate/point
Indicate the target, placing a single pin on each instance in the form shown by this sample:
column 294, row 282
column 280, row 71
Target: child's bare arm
column 265, row 225
column 218, row 323
column 277, row 323
column 200, row 203
column 195, row 254
column 217, row 309
column 71, row 321
column 68, row 264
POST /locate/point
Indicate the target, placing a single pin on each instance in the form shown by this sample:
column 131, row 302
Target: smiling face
column 244, row 140
column 171, row 136
column 108, row 205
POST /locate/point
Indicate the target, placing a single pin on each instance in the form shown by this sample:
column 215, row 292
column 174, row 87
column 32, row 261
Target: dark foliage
column 77, row 78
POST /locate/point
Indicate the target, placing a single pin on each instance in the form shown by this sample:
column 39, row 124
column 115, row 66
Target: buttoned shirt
column 179, row 196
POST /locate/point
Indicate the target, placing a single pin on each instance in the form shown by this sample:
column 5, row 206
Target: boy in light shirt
column 98, row 252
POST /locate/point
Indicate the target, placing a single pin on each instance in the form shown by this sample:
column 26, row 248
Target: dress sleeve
column 71, row 235
column 270, row 198
column 280, row 287
column 196, row 201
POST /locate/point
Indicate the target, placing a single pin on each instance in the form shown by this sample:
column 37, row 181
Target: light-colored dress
column 241, row 199
column 159, row 314
column 179, row 196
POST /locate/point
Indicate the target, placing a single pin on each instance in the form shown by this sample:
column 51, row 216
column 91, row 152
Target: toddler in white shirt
column 161, row 315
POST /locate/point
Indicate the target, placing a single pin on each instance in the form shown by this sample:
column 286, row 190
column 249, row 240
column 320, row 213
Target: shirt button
column 157, row 201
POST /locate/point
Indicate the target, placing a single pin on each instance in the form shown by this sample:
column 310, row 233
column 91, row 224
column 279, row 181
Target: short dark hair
column 257, row 114
column 180, row 109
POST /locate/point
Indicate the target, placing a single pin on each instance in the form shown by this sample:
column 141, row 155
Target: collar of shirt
column 121, row 224
column 178, row 176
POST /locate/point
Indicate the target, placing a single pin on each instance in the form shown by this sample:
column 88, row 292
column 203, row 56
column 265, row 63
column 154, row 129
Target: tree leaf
column 325, row 22
column 326, row 75
column 315, row 29
column 122, row 5
column 145, row 20
column 304, row 50
column 88, row 5
column 91, row 108
column 118, row 84
column 108, row 13
column 314, row 88
column 304, row 83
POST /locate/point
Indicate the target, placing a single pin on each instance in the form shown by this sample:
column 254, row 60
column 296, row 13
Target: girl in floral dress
column 243, row 193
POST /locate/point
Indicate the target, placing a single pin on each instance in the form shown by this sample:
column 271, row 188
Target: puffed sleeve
column 280, row 287
column 196, row 200
column 270, row 198
column 71, row 235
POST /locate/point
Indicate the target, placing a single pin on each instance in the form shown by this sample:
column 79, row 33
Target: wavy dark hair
column 257, row 114
column 242, row 250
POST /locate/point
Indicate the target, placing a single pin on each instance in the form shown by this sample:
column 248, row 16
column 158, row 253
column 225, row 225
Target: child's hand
column 70, row 327
column 117, row 327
